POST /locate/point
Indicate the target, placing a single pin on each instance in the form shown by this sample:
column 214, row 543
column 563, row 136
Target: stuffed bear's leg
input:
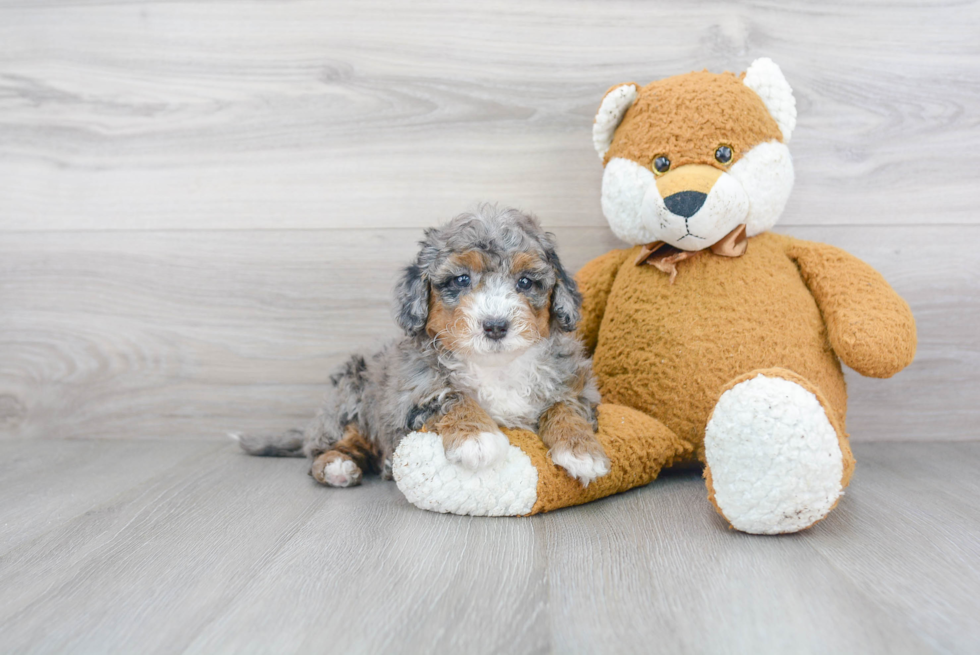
column 527, row 481
column 776, row 459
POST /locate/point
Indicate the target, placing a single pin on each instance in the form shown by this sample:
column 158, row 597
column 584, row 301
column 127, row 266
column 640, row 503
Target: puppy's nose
column 495, row 328
column 685, row 203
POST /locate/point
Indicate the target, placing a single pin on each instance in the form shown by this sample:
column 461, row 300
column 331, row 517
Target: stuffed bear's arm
column 595, row 281
column 869, row 325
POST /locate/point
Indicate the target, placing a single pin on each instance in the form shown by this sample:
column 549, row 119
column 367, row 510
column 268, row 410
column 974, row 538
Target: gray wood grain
column 427, row 583
column 203, row 206
column 159, row 559
column 42, row 487
column 249, row 114
column 183, row 334
column 629, row 567
column 227, row 553
column 932, row 502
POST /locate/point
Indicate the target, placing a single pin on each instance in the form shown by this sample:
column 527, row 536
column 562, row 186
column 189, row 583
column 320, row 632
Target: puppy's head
column 487, row 282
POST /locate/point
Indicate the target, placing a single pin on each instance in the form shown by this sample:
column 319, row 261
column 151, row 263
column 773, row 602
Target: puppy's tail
column 287, row 444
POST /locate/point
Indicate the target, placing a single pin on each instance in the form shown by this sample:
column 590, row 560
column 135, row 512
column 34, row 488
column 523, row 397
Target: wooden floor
column 181, row 546
column 204, row 206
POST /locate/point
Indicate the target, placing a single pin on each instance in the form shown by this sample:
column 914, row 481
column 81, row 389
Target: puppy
column 489, row 315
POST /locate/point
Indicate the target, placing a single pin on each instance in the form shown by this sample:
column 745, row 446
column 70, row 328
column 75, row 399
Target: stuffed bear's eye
column 461, row 281
column 525, row 283
column 661, row 164
column 723, row 154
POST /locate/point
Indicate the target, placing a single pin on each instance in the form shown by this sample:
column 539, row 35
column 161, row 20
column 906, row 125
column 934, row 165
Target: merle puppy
column 489, row 316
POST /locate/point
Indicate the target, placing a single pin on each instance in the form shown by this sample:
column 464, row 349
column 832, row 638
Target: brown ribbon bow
column 666, row 257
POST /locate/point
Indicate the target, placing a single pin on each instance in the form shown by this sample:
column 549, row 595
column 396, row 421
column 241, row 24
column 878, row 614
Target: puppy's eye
column 461, row 281
column 525, row 283
column 723, row 154
column 661, row 164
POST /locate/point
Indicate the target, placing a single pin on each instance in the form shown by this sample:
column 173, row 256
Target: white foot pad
column 776, row 464
column 430, row 481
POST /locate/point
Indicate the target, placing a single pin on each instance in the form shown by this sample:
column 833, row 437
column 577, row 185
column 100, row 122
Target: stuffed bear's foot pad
column 774, row 462
column 631, row 448
column 429, row 481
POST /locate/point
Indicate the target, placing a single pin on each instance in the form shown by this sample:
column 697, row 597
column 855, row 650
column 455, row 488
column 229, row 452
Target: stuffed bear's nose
column 685, row 203
column 495, row 328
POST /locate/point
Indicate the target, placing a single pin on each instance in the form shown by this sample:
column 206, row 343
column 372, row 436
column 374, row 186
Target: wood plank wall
column 203, row 205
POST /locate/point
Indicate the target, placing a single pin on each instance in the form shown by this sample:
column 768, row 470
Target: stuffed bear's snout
column 685, row 203
column 693, row 206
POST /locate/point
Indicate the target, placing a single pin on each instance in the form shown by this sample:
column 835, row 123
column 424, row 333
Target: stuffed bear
column 714, row 341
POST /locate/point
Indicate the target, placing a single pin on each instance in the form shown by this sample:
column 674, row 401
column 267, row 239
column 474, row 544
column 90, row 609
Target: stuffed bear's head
column 690, row 158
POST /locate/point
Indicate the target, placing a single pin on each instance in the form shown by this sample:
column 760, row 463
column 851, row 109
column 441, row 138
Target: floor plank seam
column 260, row 564
column 891, row 612
column 107, row 502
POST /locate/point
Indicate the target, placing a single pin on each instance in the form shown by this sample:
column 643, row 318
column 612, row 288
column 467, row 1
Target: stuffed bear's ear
column 765, row 78
column 614, row 105
column 412, row 301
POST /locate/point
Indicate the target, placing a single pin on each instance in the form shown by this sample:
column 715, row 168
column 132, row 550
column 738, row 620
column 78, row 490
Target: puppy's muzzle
column 495, row 329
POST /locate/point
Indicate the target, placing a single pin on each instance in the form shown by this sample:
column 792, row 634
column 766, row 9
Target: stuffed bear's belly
column 667, row 350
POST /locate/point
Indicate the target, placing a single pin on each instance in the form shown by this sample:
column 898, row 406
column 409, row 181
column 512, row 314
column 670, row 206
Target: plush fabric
column 791, row 479
column 868, row 325
column 671, row 348
column 527, row 482
column 680, row 116
column 638, row 447
column 732, row 362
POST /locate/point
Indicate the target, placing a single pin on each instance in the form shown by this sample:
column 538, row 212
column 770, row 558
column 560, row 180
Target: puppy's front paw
column 584, row 461
column 335, row 469
column 477, row 451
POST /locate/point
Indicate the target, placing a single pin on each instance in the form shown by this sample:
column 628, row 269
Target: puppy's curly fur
column 488, row 313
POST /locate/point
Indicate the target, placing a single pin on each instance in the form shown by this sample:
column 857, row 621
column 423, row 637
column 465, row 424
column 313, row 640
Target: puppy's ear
column 566, row 302
column 412, row 300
